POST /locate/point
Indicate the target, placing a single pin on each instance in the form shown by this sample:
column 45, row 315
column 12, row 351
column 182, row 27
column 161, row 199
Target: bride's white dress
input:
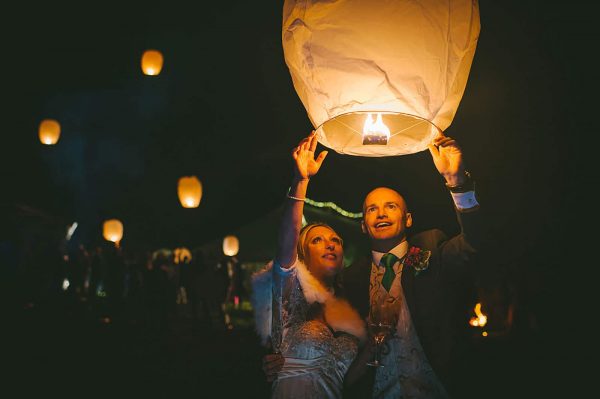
column 317, row 355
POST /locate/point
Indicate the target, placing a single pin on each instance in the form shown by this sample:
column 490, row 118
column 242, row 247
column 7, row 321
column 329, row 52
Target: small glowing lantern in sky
column 231, row 245
column 152, row 62
column 377, row 77
column 113, row 230
column 189, row 190
column 49, row 131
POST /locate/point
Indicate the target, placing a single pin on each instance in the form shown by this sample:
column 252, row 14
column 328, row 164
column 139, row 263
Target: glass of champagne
column 382, row 322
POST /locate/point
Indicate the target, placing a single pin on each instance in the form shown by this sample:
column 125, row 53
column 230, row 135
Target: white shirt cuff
column 465, row 200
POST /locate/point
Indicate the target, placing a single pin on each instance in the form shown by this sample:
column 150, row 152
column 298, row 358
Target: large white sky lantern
column 377, row 77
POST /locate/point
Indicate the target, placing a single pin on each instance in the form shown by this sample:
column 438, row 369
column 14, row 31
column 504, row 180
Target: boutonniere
column 418, row 259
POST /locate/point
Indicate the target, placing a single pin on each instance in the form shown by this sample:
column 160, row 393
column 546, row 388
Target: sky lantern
column 231, row 245
column 152, row 62
column 377, row 77
column 49, row 131
column 113, row 230
column 189, row 189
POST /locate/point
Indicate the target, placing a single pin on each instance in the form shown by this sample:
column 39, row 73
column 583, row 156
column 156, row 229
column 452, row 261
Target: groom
column 423, row 282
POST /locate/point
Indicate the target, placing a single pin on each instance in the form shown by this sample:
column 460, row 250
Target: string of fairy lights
column 335, row 207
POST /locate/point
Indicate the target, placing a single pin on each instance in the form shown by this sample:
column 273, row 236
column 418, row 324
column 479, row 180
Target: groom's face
column 385, row 217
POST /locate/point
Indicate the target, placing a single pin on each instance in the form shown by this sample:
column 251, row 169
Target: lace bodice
column 316, row 357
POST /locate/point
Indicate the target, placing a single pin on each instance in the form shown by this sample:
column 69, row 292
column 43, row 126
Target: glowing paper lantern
column 113, row 230
column 189, row 190
column 152, row 62
column 231, row 245
column 49, row 131
column 377, row 77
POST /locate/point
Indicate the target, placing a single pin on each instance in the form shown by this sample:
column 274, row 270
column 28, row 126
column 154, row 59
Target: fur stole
column 338, row 313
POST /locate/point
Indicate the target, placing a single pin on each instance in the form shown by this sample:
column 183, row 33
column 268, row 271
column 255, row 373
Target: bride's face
column 324, row 254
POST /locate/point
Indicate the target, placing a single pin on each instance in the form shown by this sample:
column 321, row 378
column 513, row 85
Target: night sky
column 224, row 109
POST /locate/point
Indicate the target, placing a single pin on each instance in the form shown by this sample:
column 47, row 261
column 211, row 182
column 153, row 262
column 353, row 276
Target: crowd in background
column 118, row 284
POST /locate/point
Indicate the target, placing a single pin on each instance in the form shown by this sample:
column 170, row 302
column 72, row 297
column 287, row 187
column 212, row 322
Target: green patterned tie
column 388, row 260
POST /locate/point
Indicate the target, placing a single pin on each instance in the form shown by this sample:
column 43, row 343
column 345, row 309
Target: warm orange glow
column 485, row 334
column 189, row 190
column 181, row 255
column 113, row 230
column 231, row 245
column 49, row 131
column 480, row 320
column 152, row 62
column 375, row 132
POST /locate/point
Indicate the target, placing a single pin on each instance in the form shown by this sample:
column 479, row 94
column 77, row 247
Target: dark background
column 224, row 109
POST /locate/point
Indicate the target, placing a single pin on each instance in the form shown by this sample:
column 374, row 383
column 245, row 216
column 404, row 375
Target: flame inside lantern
column 375, row 132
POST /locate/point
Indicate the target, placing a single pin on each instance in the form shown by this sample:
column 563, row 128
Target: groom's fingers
column 433, row 150
column 446, row 141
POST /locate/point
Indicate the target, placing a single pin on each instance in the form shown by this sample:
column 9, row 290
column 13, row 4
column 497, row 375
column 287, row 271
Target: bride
column 296, row 308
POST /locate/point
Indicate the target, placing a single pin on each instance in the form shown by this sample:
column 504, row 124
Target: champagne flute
column 382, row 322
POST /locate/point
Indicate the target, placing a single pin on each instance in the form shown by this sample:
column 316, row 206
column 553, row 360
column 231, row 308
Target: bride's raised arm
column 305, row 166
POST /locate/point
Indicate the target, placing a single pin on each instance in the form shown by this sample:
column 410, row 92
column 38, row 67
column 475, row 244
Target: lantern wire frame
column 415, row 131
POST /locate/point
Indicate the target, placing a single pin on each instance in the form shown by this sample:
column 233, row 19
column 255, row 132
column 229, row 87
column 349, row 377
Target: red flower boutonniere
column 418, row 259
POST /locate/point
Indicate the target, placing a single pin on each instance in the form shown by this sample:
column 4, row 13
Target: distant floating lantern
column 152, row 62
column 113, row 230
column 380, row 78
column 49, row 131
column 189, row 190
column 231, row 245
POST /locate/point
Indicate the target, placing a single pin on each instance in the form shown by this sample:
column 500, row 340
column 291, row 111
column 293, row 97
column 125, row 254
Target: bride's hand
column 271, row 365
column 306, row 165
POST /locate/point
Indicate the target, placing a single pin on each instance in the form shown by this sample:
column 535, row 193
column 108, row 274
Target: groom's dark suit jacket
column 438, row 298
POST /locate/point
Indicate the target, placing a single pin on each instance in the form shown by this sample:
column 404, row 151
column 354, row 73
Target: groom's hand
column 271, row 365
column 448, row 159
